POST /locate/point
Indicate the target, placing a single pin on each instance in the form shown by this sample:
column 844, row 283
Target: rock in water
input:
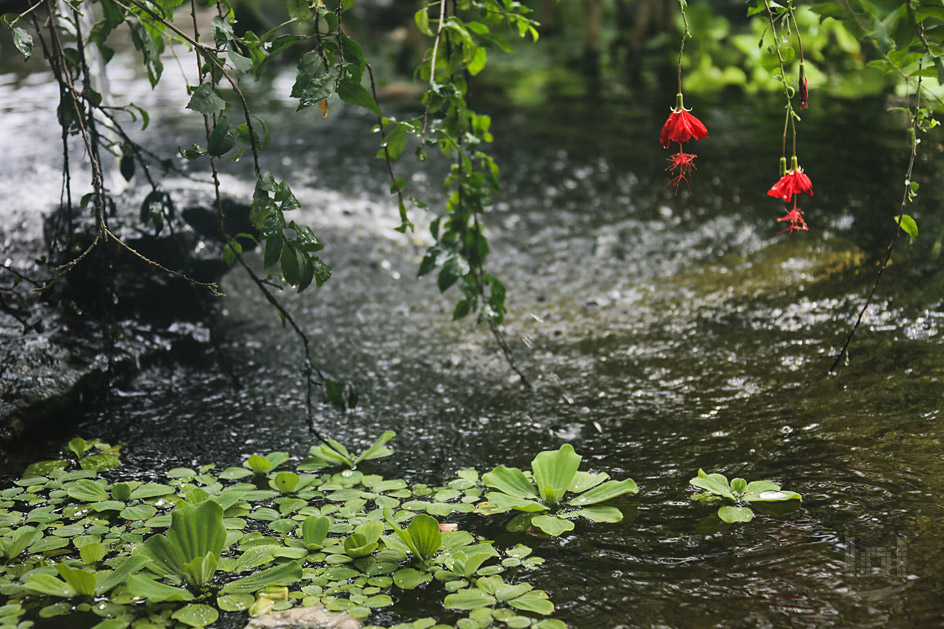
column 304, row 618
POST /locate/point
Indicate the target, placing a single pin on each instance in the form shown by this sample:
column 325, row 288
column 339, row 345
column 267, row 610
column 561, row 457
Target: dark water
column 663, row 334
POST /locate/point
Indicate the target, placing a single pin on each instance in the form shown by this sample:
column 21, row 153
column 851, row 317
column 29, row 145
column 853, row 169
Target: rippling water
column 663, row 334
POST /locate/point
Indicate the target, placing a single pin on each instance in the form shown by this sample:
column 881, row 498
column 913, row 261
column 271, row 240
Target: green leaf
column 735, row 514
column 286, row 482
column 79, row 580
column 106, row 581
column 507, row 592
column 205, row 100
column 511, row 481
column 146, row 587
column 552, row 525
column 498, row 502
column 87, row 491
column 535, row 601
column 421, row 18
column 283, row 574
column 92, row 553
column 469, row 599
column 78, row 446
column 48, row 585
column 192, row 546
column 909, row 226
column 425, row 536
column 607, row 491
column 150, row 490
column 712, row 483
column 138, row 512
column 313, row 83
column 554, row 471
column 195, row 615
column 258, row 464
column 766, row 491
column 601, row 514
column 376, row 450
column 354, row 93
column 223, row 138
column 23, row 41
column 409, row 578
column 314, row 531
column 585, row 480
column 738, row 486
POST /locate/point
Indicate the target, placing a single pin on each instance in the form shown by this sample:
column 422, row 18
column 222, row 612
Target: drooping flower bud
column 804, row 89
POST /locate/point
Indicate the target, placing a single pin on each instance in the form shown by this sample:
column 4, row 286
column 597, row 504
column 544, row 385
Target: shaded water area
column 663, row 333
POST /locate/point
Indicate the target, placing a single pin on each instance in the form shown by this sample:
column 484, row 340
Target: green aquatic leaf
column 585, row 480
column 766, row 491
column 151, row 490
column 468, row 599
column 87, row 491
column 192, row 546
column 314, row 531
column 607, row 491
column 154, row 591
column 713, row 483
column 735, row 514
column 535, row 601
column 79, row 580
column 552, row 525
column 600, row 514
column 377, row 449
column 92, row 553
column 510, row 481
column 554, row 471
column 48, row 585
column 196, row 615
column 286, row 482
column 410, row 578
column 283, row 574
column 258, row 464
column 498, row 502
column 99, row 462
column 108, row 580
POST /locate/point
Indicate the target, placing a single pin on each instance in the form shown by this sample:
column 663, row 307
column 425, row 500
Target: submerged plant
column 739, row 491
column 540, row 496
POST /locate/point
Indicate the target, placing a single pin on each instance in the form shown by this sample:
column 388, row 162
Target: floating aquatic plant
column 739, row 491
column 540, row 496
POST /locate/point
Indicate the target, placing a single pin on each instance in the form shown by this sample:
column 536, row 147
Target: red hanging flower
column 792, row 183
column 681, row 126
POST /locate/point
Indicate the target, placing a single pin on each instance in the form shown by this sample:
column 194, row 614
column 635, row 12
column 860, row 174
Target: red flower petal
column 681, row 126
column 794, row 182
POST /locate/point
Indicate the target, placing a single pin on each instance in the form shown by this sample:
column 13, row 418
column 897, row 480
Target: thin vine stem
column 915, row 128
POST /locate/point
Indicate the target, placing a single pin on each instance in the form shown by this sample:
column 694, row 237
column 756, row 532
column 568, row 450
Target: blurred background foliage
column 607, row 48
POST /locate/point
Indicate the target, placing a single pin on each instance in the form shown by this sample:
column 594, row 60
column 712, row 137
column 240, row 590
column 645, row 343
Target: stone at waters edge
column 304, row 618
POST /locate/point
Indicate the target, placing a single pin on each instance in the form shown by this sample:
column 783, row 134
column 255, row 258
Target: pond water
column 663, row 334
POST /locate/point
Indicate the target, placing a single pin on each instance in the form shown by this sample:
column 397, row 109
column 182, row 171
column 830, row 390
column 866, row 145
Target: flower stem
column 685, row 35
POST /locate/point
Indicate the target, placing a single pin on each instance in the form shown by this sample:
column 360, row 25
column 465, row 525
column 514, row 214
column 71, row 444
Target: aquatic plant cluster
column 77, row 539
